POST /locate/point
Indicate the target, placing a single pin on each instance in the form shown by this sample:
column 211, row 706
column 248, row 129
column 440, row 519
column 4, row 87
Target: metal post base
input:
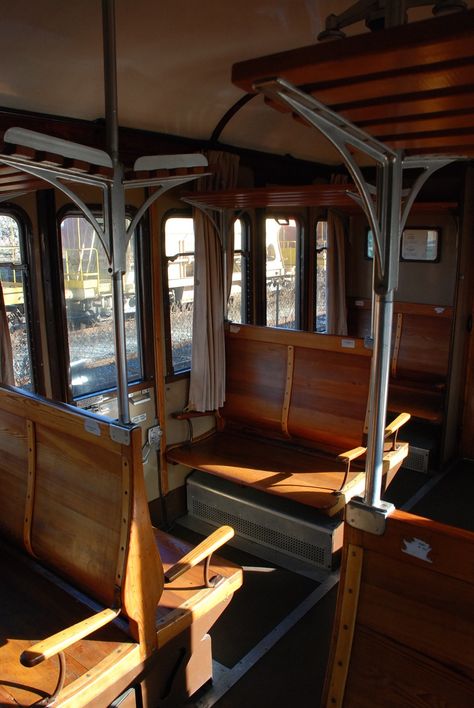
column 362, row 516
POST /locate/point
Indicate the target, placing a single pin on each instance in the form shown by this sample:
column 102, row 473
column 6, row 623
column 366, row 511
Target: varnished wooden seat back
column 329, row 394
column 310, row 388
column 420, row 350
column 421, row 337
column 256, row 373
column 71, row 498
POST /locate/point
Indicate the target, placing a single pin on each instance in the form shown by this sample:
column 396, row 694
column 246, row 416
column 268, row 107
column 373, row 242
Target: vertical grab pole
column 116, row 225
column 385, row 281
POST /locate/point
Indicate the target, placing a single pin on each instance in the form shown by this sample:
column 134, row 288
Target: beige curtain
column 207, row 382
column 6, row 355
column 336, row 270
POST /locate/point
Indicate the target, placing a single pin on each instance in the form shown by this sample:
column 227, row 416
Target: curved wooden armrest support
column 347, row 458
column 393, row 427
column 202, row 551
column 189, row 416
column 57, row 643
column 352, row 454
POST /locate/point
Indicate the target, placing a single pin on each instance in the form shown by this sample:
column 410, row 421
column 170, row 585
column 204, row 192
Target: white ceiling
column 174, row 63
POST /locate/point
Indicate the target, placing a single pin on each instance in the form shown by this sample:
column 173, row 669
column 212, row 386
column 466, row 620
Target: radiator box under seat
column 278, row 530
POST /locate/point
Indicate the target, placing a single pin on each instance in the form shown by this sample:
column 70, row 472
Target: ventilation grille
column 262, row 534
column 417, row 459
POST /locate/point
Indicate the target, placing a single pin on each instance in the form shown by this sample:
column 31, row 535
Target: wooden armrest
column 396, row 424
column 352, row 454
column 202, row 551
column 53, row 645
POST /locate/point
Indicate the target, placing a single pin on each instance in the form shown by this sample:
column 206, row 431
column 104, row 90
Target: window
column 238, row 300
column 321, row 276
column 14, row 277
column 282, row 272
column 89, row 309
column 179, row 263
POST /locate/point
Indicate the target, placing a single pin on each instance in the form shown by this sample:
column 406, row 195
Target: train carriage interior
column 236, row 354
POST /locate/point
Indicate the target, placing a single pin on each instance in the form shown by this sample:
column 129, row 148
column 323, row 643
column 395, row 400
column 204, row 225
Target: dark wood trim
column 54, row 303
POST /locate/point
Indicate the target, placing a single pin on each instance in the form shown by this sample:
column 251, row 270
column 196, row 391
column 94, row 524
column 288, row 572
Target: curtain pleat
column 336, row 286
column 207, row 380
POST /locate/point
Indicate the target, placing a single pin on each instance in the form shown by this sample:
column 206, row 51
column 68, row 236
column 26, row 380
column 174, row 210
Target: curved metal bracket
column 383, row 208
column 51, row 699
column 53, row 178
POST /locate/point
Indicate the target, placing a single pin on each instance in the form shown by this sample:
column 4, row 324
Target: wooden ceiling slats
column 411, row 87
column 400, row 48
column 317, row 195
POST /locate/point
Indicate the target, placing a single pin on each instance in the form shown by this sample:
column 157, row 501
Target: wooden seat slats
column 295, row 402
column 80, row 548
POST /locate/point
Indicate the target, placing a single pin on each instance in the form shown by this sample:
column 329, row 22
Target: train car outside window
column 238, row 300
column 89, row 309
column 14, row 278
column 282, row 238
column 179, row 261
column 320, row 324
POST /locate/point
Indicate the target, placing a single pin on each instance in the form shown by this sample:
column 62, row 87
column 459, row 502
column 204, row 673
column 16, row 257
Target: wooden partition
column 404, row 630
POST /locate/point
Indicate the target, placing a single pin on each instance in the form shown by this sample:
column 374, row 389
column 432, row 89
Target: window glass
column 282, row 249
column 13, row 274
column 179, row 256
column 321, row 276
column 89, row 309
column 237, row 307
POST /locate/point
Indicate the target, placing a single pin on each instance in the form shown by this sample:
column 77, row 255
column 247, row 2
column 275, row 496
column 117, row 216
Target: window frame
column 171, row 374
column 246, row 255
column 30, row 281
column 143, row 307
column 299, row 275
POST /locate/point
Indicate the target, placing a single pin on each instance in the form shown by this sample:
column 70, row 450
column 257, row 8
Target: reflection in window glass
column 237, row 307
column 179, row 254
column 321, row 276
column 13, row 272
column 89, row 309
column 281, row 272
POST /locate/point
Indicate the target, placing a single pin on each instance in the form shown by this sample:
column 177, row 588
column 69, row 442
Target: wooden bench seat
column 421, row 339
column 85, row 576
column 294, row 418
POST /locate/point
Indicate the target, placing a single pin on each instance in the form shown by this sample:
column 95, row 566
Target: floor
column 271, row 646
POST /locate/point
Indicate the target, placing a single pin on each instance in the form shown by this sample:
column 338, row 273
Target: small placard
column 92, row 426
column 348, row 343
column 420, row 245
